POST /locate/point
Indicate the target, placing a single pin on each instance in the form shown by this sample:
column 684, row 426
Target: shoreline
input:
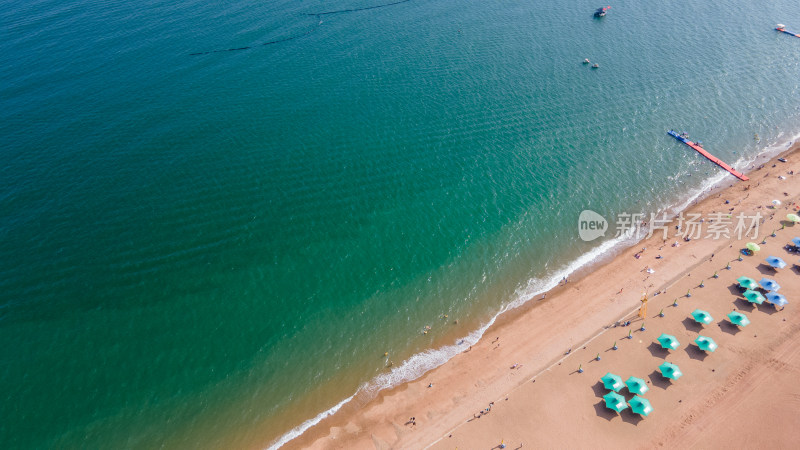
column 355, row 418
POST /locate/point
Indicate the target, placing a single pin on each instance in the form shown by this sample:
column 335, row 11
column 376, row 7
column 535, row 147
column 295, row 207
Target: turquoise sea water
column 202, row 251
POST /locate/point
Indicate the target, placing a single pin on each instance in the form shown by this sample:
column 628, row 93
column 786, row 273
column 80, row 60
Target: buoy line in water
column 291, row 38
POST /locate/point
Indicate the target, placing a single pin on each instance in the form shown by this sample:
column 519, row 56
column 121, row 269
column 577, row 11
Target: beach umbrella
column 636, row 386
column 706, row 343
column 793, row 217
column 702, row 317
column 796, row 241
column 769, row 284
column 668, row 341
column 776, row 299
column 670, row 371
column 776, row 202
column 615, row 401
column 776, row 262
column 738, row 318
column 641, row 406
column 754, row 296
column 612, row 382
column 747, row 283
column 753, row 247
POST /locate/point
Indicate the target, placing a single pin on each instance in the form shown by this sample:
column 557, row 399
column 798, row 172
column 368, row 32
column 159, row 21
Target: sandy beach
column 520, row 385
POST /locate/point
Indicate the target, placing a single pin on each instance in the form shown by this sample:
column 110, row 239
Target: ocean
column 218, row 217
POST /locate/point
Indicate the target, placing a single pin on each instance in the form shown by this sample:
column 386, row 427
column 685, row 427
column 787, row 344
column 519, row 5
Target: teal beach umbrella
column 702, row 317
column 636, row 386
column 705, row 343
column 738, row 319
column 615, row 401
column 612, row 382
column 670, row 371
column 668, row 341
column 641, row 406
column 754, row 296
column 747, row 283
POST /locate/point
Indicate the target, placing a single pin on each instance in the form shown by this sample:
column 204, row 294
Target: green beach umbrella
column 754, row 296
column 793, row 217
column 641, row 406
column 636, row 386
column 670, row 371
column 738, row 319
column 706, row 343
column 747, row 283
column 753, row 247
column 615, row 401
column 702, row 317
column 612, row 382
column 668, row 341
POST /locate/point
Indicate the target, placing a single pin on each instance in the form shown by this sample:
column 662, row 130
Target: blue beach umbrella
column 705, row 343
column 769, row 284
column 615, row 401
column 612, row 382
column 668, row 341
column 702, row 317
column 776, row 262
column 738, row 319
column 637, row 386
column 641, row 406
column 796, row 241
column 753, row 296
column 776, row 299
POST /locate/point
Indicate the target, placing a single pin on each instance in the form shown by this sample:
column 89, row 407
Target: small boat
column 601, row 12
column 782, row 159
column 782, row 28
column 595, row 66
column 586, row 61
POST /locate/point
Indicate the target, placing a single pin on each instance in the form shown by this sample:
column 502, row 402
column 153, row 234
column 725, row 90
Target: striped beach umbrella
column 705, row 343
column 747, row 283
column 668, row 341
column 776, row 299
column 612, row 382
column 615, row 401
column 636, row 386
column 670, row 371
column 641, row 406
column 769, row 284
column 754, row 296
column 702, row 317
column 738, row 319
column 776, row 262
column 793, row 217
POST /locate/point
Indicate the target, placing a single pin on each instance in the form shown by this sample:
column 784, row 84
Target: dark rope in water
column 357, row 9
column 291, row 38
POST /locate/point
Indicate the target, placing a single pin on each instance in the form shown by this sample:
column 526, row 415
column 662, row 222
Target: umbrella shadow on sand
column 728, row 327
column 657, row 350
column 692, row 325
column 658, row 380
column 766, row 269
column 735, row 289
column 631, row 417
column 695, row 352
column 600, row 390
column 744, row 305
column 767, row 308
column 601, row 411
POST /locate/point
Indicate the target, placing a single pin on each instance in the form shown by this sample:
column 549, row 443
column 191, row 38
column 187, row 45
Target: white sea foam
column 423, row 362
